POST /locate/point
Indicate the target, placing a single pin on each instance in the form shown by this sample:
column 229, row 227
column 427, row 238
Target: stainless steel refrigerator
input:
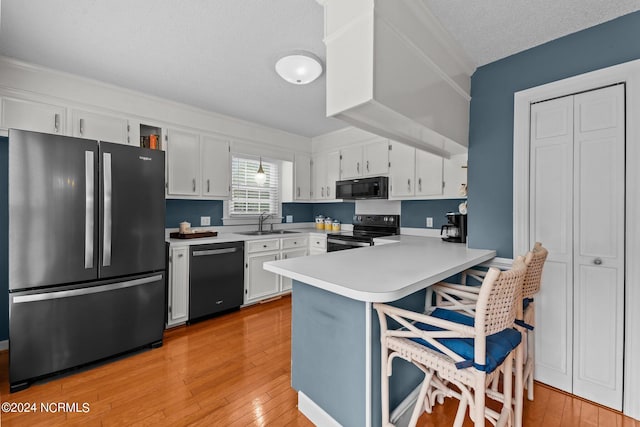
column 86, row 252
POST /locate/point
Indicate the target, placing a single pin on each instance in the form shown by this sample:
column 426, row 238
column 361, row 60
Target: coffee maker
column 456, row 229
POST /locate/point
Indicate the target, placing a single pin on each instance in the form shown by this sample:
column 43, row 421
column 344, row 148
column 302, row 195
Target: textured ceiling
column 220, row 54
column 489, row 30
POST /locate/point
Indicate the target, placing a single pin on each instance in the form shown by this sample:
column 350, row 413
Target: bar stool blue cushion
column 498, row 346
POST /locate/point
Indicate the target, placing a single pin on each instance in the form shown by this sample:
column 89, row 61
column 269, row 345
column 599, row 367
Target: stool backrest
column 496, row 307
column 535, row 262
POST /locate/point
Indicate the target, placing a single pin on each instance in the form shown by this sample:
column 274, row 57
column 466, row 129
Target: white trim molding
column 628, row 73
column 315, row 413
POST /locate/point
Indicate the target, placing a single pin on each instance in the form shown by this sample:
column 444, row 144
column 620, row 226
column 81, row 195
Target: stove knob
column 391, row 219
column 385, row 219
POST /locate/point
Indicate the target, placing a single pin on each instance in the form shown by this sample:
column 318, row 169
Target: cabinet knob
column 597, row 261
column 208, row 185
column 81, row 126
column 367, row 165
column 180, row 255
column 56, row 122
column 194, row 185
column 358, row 167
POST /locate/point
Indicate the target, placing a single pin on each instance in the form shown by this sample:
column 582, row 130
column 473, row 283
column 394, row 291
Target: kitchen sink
column 265, row 233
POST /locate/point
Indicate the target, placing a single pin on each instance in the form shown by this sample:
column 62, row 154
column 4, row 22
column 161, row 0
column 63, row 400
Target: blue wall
column 491, row 116
column 414, row 213
column 191, row 211
column 343, row 212
column 301, row 212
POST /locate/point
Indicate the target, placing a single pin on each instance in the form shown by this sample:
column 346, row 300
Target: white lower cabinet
column 317, row 244
column 178, row 289
column 261, row 284
column 286, row 284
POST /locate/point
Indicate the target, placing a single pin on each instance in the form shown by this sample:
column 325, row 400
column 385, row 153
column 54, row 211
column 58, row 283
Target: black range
column 365, row 229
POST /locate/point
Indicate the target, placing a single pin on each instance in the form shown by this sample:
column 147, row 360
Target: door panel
column 551, row 223
column 577, row 211
column 52, row 219
column 599, row 245
column 137, row 211
column 554, row 326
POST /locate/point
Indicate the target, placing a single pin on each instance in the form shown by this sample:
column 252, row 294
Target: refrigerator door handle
column 85, row 291
column 89, row 209
column 106, row 235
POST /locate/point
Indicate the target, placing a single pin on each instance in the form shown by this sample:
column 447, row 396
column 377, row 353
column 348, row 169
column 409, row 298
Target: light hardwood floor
column 233, row 370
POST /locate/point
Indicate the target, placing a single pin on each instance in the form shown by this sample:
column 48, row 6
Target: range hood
column 394, row 71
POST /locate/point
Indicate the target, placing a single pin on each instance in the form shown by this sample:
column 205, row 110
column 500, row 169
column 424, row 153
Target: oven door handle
column 348, row 243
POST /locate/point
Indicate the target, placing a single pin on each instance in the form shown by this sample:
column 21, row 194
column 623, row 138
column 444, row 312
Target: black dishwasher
column 216, row 278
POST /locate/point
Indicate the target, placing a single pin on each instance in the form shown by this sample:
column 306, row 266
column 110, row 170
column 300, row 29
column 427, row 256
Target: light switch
column 205, row 220
column 429, row 222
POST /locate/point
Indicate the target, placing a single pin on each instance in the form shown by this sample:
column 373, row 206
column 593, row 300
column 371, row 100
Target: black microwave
column 363, row 188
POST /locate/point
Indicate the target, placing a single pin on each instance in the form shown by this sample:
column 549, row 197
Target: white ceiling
column 220, row 54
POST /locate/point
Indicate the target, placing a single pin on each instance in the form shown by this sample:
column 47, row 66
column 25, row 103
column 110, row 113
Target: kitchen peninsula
column 335, row 331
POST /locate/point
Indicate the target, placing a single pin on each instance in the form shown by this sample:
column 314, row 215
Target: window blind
column 247, row 197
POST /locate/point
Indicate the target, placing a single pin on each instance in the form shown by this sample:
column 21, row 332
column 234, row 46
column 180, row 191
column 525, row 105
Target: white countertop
column 224, row 237
column 382, row 273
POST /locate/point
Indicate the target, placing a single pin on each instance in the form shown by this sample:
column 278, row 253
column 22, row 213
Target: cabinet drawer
column 318, row 242
column 294, row 242
column 263, row 245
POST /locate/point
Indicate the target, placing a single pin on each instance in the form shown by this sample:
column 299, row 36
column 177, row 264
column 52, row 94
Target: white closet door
column 599, row 245
column 551, row 218
column 577, row 212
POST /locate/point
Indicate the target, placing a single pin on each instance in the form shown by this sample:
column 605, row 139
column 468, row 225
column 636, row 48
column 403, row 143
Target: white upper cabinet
column 455, row 175
column 33, row 116
column 351, row 162
column 325, row 172
column 371, row 159
column 414, row 173
column 428, row 174
column 402, row 170
column 302, row 177
column 216, row 161
column 183, row 163
column 102, row 127
column 393, row 71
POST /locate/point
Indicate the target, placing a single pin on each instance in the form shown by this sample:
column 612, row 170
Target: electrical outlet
column 429, row 222
column 289, row 218
column 205, row 220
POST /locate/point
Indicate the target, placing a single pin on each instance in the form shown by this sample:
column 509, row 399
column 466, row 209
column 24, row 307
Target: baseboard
column 316, row 414
column 401, row 416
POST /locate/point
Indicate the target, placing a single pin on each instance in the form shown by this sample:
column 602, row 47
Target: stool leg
column 519, row 386
column 384, row 386
column 419, row 408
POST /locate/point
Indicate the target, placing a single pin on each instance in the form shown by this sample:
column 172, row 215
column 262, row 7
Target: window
column 247, row 197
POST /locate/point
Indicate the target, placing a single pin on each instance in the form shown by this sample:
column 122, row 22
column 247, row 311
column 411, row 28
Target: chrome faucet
column 262, row 218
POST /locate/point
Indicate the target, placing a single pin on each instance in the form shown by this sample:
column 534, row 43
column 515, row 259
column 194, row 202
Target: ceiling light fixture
column 299, row 68
column 261, row 177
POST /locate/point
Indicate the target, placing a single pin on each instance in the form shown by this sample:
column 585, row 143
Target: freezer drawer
column 66, row 327
column 216, row 278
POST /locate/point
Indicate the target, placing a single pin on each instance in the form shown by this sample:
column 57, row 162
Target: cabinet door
column 351, row 163
column 376, row 158
column 101, row 127
column 178, row 311
column 333, row 173
column 428, row 174
column 302, row 187
column 183, row 163
column 293, row 253
column 33, row 116
column 260, row 283
column 216, row 163
column 319, row 176
column 402, row 170
column 455, row 175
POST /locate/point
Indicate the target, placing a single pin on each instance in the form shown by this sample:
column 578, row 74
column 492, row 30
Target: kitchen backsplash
column 191, row 211
column 413, row 212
